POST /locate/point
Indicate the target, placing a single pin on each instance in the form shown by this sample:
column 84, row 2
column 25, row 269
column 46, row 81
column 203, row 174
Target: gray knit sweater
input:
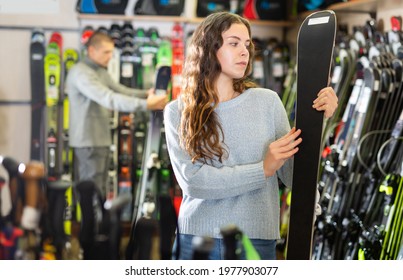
column 236, row 190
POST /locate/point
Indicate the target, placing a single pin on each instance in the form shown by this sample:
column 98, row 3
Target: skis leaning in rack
column 152, row 194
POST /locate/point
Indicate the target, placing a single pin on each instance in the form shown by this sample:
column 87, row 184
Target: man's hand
column 156, row 102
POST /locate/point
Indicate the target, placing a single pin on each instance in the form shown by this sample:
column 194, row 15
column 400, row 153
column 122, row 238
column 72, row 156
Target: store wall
column 15, row 32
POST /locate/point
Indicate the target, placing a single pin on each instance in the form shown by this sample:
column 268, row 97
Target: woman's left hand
column 326, row 101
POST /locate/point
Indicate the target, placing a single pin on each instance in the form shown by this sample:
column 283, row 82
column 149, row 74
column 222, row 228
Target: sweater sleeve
column 139, row 93
column 88, row 84
column 205, row 181
column 282, row 126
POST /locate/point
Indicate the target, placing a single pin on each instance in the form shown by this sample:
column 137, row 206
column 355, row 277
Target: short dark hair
column 97, row 38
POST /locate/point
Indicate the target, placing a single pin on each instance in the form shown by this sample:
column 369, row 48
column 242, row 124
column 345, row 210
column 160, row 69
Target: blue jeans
column 265, row 248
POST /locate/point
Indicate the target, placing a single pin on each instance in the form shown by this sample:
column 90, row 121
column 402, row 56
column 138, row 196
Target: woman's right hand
column 281, row 150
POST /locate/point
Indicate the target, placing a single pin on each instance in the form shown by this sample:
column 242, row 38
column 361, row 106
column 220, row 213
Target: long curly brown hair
column 200, row 131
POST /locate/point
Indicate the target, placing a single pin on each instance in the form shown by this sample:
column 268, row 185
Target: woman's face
column 233, row 55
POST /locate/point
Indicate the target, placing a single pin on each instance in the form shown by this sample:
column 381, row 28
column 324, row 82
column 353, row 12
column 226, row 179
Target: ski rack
column 150, row 163
column 44, row 28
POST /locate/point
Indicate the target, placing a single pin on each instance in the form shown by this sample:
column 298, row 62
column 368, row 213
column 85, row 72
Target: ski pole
column 34, row 200
column 232, row 238
column 15, row 185
column 202, row 246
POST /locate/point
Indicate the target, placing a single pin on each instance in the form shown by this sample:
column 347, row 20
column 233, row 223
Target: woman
column 229, row 141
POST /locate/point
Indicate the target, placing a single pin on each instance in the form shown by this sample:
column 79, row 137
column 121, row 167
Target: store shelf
column 364, row 6
column 179, row 19
column 131, row 18
column 44, row 28
column 352, row 6
column 272, row 23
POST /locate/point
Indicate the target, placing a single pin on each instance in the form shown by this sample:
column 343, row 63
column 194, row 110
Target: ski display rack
column 361, row 171
column 138, row 54
column 26, row 232
column 35, row 229
column 153, row 211
column 40, row 222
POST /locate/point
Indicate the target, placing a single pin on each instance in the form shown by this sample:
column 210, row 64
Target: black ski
column 147, row 197
column 315, row 47
column 38, row 99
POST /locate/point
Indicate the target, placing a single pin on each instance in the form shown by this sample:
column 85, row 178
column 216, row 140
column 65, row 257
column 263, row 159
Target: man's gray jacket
column 92, row 95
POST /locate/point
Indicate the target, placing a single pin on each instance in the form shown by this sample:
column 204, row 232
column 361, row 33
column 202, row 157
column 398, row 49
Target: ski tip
column 320, row 17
